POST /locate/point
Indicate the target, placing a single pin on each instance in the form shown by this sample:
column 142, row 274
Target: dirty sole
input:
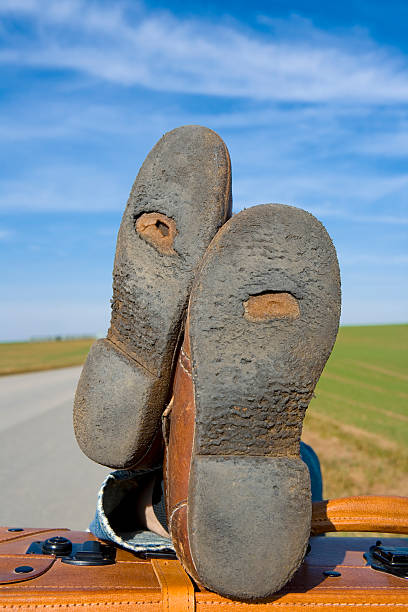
column 264, row 315
column 181, row 197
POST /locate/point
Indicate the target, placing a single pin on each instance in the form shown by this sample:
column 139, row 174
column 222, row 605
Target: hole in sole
column 271, row 305
column 158, row 230
column 163, row 228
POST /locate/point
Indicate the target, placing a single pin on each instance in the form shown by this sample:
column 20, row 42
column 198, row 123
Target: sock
column 158, row 502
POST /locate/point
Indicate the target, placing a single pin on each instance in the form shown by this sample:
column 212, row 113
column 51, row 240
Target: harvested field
column 358, row 421
column 18, row 357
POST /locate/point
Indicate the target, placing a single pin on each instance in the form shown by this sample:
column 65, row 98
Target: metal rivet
column 57, row 546
column 15, row 529
column 24, row 569
column 331, row 573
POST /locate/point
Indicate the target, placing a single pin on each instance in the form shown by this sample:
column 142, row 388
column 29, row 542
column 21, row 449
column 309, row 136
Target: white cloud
column 308, row 117
column 280, row 152
column 349, row 195
column 389, row 144
column 122, row 43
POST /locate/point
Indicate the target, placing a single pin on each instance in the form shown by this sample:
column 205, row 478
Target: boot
column 180, row 198
column 262, row 320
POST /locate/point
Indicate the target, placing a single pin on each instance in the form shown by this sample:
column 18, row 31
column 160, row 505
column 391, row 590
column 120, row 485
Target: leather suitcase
column 36, row 574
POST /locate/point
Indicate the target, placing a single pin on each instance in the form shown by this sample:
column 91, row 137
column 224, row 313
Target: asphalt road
column 45, row 480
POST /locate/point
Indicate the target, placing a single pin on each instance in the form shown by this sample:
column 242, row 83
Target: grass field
column 357, row 423
column 17, row 357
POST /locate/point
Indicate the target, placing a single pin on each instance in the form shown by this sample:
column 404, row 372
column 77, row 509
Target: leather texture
column 162, row 585
column 10, row 565
column 364, row 513
column 178, row 450
column 14, row 533
column 177, row 588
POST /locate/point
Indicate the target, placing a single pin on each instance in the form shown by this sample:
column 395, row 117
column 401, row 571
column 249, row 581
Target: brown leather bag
column 334, row 575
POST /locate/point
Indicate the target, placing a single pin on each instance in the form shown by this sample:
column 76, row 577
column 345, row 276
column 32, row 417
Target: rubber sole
column 264, row 315
column 181, row 197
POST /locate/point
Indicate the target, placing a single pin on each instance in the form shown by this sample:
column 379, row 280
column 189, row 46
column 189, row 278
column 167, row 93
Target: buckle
column 85, row 553
column 390, row 559
column 164, row 553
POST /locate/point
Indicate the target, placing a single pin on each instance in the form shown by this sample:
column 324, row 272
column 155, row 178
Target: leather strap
column 14, row 533
column 364, row 513
column 19, row 568
column 177, row 588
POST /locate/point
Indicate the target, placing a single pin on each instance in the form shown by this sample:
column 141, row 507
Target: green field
column 18, row 357
column 358, row 421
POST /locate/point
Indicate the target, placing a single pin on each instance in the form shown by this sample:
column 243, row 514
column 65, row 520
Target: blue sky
column 310, row 98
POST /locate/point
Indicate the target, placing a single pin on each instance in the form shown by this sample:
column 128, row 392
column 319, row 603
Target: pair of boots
column 224, row 325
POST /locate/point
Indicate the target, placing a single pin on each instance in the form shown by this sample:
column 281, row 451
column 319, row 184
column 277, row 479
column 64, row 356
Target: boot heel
column 249, row 521
column 111, row 389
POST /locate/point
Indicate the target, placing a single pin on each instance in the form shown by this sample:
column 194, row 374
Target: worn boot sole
column 264, row 315
column 181, row 197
